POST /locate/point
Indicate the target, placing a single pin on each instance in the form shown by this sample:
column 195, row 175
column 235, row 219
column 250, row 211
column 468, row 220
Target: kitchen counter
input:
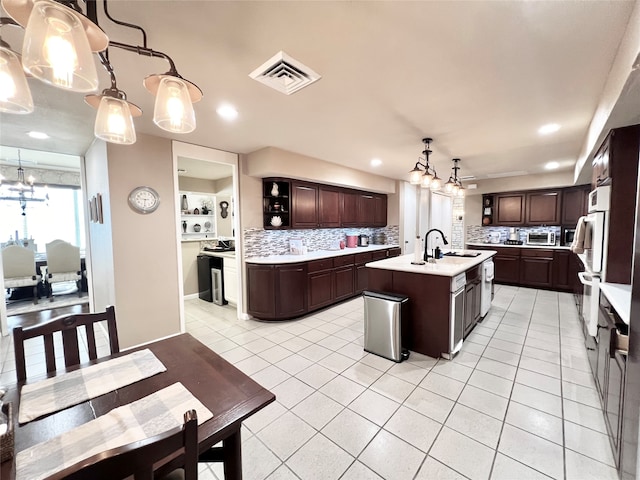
column 446, row 266
column 551, row 247
column 218, row 254
column 316, row 255
column 619, row 296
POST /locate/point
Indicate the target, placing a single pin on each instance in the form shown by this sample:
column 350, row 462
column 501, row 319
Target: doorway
column 209, row 180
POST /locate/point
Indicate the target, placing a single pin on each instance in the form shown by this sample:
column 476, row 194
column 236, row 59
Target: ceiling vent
column 285, row 74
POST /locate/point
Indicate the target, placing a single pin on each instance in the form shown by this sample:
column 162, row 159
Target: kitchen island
column 444, row 297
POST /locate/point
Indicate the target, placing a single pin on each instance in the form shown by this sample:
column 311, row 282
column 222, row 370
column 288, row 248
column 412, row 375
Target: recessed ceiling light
column 552, row 165
column 228, row 112
column 548, row 128
column 376, row 162
column 38, row 135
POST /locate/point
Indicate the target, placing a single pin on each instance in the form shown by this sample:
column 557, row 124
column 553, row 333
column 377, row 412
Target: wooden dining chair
column 138, row 459
column 69, row 327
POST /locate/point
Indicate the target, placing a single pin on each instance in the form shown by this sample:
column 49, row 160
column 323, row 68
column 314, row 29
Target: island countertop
column 501, row 245
column 448, row 266
column 316, row 255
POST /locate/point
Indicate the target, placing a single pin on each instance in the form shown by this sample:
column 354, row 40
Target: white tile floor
column 518, row 402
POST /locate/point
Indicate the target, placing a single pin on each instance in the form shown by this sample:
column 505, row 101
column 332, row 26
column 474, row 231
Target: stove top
column 513, row 242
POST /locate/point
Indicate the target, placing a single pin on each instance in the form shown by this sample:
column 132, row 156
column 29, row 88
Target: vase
column 274, row 190
column 184, row 226
column 185, row 204
column 205, row 210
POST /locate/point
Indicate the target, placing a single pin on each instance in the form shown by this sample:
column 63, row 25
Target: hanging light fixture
column 454, row 185
column 15, row 96
column 22, row 190
column 429, row 178
column 57, row 49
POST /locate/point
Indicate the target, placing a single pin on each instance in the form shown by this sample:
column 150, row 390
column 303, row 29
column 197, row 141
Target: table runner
column 62, row 391
column 144, row 418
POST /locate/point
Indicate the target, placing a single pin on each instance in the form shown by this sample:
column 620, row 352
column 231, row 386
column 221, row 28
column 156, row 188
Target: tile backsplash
column 259, row 242
column 478, row 233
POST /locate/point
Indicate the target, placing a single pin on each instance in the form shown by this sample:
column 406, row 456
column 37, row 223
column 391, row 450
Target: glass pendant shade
column 15, row 96
column 436, row 183
column 56, row 49
column 427, row 178
column 114, row 122
column 173, row 109
column 415, row 176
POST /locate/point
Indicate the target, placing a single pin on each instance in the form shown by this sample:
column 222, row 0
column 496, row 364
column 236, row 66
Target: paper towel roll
column 417, row 252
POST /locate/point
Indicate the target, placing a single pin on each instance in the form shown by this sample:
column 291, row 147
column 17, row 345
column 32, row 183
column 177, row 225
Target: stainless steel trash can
column 383, row 324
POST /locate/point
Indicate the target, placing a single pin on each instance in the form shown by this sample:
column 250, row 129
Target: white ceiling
column 478, row 77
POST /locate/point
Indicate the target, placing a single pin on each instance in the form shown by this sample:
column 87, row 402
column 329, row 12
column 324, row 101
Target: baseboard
column 190, row 296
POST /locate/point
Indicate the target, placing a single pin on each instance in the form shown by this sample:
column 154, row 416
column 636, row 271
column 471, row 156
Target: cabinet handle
column 304, row 188
column 367, row 196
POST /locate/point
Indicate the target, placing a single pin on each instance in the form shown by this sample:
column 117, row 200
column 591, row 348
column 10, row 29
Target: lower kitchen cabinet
column 285, row 291
column 536, row 268
column 472, row 296
column 507, row 265
column 230, row 275
column 561, row 269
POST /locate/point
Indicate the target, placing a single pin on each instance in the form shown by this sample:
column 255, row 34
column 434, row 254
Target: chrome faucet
column 426, row 238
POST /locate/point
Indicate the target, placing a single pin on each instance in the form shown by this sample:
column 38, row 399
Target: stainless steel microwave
column 544, row 238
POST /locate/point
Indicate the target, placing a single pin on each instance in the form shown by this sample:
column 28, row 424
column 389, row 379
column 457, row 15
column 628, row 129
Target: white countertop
column 619, row 296
column 484, row 244
column 318, row 254
column 447, row 266
column 219, row 254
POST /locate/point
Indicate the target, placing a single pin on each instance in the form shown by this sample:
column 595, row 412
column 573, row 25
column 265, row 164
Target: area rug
column 27, row 306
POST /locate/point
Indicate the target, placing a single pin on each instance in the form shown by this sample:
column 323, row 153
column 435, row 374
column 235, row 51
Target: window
column 59, row 217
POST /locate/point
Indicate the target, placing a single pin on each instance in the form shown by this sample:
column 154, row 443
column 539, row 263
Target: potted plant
column 207, row 205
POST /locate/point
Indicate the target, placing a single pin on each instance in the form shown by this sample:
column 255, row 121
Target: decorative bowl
column 276, row 221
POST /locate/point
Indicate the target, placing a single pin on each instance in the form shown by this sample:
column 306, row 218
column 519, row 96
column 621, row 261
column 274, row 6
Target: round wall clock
column 144, row 199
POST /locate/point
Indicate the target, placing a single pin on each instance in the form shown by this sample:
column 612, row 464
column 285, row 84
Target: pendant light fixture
column 454, row 185
column 22, row 190
column 15, row 95
column 57, row 49
column 429, row 178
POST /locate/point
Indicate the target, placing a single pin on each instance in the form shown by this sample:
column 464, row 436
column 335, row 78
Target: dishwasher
column 456, row 330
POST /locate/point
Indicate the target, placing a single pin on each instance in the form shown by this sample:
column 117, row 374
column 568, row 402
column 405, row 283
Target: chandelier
column 21, row 191
column 429, row 178
column 59, row 42
column 454, row 185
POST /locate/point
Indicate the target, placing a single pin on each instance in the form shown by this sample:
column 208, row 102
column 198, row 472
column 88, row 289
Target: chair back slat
column 138, row 458
column 68, row 325
column 70, row 347
column 49, row 352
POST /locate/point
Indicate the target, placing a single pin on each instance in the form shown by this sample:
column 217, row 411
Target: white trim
column 191, row 296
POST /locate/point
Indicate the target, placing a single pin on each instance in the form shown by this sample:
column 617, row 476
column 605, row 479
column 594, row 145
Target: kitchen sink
column 462, row 254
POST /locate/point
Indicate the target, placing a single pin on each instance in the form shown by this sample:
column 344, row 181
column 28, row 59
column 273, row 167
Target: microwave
column 546, row 238
column 600, row 199
column 567, row 236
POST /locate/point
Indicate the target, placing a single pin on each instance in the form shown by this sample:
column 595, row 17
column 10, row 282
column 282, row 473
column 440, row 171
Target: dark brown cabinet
column 320, row 288
column 380, row 213
column 329, row 207
column 561, row 261
column 600, row 173
column 574, row 204
column 276, row 203
column 261, row 287
column 543, row 207
column 510, row 209
column 472, row 295
column 304, row 205
column 277, row 291
column 507, row 265
column 349, row 209
column 366, row 209
column 536, row 268
column 361, row 271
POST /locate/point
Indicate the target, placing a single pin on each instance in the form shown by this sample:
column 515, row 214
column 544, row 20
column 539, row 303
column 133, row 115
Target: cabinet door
column 349, row 209
column 366, row 210
column 507, row 269
column 602, row 365
column 304, row 205
column 615, row 400
column 291, row 300
column 329, row 207
column 477, row 293
column 601, row 164
column 574, row 204
column 320, row 289
column 536, row 271
column 468, row 309
column 261, row 291
column 362, row 278
column 543, row 208
column 230, row 275
column 510, row 209
column 344, row 278
column 394, row 252
column 561, row 262
column 380, row 214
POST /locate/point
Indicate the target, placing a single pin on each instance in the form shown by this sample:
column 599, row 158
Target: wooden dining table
column 227, row 392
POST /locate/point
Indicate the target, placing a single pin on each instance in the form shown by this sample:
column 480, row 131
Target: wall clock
column 144, row 199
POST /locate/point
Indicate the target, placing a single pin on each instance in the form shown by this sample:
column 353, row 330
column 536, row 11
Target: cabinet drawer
column 378, row 255
column 536, row 253
column 344, row 260
column 363, row 258
column 318, row 265
column 506, row 251
column 474, row 273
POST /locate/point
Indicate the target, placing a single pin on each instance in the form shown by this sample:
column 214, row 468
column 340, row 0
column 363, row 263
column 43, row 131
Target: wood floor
column 33, row 318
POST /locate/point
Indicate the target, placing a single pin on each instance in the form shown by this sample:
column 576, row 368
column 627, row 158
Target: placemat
column 62, row 391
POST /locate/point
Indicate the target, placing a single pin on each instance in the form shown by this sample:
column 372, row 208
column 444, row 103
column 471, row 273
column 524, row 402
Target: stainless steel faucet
column 426, row 239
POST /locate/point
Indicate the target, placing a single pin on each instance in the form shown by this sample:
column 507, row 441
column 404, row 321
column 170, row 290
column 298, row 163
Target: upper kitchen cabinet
column 304, row 205
column 380, row 214
column 543, row 207
column 349, row 209
column 510, row 209
column 574, row 204
column 366, row 209
column 329, row 207
column 600, row 174
column 276, row 203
